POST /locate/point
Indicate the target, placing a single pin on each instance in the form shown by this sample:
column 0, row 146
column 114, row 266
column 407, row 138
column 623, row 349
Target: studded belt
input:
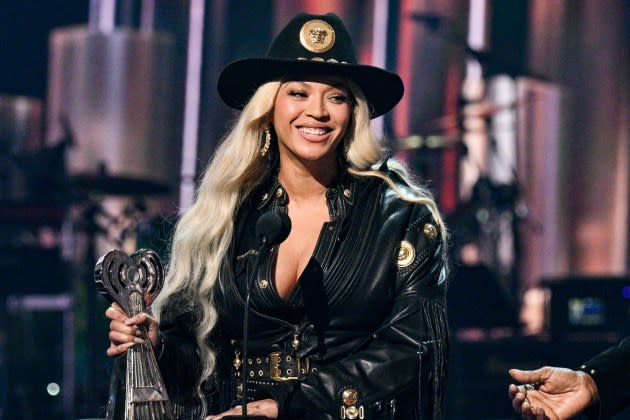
column 277, row 366
column 270, row 370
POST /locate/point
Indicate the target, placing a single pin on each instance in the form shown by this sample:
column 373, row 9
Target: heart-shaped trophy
column 132, row 281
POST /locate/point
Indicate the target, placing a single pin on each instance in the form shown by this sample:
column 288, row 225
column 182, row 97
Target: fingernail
column 138, row 340
column 138, row 333
column 128, row 345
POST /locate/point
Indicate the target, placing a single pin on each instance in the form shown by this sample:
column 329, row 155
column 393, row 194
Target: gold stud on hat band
column 317, row 36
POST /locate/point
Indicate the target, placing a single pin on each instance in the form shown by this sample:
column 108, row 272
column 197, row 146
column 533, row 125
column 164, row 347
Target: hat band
column 330, row 60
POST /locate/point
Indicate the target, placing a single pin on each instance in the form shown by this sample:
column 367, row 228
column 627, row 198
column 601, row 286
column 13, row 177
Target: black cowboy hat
column 310, row 44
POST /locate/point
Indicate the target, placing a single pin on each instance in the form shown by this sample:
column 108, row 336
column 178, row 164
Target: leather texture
column 366, row 314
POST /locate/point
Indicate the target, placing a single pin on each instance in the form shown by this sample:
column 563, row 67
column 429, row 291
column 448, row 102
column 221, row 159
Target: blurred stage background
column 515, row 113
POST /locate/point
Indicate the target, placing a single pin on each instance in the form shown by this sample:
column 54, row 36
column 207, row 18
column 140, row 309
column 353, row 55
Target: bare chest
column 296, row 251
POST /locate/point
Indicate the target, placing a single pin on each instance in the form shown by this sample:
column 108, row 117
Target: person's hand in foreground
column 551, row 393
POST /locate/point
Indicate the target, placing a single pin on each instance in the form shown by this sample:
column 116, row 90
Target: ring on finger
column 532, row 386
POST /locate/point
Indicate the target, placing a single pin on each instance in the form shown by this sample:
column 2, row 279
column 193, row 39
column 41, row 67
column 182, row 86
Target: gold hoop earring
column 264, row 150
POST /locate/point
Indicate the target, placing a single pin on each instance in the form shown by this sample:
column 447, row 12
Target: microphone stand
column 248, row 287
column 271, row 229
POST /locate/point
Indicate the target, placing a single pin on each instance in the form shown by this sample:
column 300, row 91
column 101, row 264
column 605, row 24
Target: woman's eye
column 297, row 93
column 339, row 99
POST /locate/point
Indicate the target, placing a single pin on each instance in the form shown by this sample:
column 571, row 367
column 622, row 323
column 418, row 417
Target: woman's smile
column 314, row 133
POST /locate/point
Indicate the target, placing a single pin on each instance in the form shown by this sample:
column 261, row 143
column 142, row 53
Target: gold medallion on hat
column 317, row 36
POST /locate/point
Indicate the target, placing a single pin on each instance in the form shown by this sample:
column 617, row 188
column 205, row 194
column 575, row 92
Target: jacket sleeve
column 611, row 371
column 413, row 337
column 177, row 356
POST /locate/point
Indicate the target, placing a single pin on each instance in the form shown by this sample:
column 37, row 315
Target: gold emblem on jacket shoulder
column 406, row 254
column 317, row 36
column 430, row 231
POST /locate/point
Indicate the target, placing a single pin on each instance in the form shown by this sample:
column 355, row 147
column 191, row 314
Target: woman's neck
column 302, row 182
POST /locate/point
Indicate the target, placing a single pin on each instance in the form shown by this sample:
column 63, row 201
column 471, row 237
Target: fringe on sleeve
column 436, row 350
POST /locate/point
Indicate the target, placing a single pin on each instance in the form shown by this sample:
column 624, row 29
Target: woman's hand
column 124, row 332
column 267, row 408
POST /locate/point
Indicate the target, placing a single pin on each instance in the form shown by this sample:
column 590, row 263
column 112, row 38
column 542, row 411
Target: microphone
column 271, row 229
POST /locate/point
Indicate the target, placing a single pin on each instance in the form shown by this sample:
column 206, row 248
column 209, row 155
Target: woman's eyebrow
column 333, row 85
column 295, row 82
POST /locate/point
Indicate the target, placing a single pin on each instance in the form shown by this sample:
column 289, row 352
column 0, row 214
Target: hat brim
column 240, row 79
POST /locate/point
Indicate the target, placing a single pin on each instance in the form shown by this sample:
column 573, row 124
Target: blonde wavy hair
column 233, row 172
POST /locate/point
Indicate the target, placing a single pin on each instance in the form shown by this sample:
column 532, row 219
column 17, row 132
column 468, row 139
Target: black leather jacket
column 611, row 372
column 368, row 313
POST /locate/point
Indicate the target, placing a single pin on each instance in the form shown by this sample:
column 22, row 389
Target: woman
column 346, row 311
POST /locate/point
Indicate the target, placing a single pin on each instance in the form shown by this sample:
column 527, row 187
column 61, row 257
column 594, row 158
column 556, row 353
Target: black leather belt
column 272, row 369
column 277, row 366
